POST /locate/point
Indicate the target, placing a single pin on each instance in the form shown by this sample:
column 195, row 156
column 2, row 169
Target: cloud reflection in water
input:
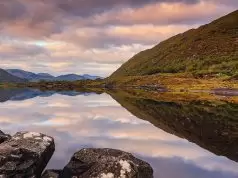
column 99, row 121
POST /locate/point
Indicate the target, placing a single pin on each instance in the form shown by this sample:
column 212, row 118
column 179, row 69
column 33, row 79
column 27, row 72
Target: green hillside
column 6, row 77
column 210, row 49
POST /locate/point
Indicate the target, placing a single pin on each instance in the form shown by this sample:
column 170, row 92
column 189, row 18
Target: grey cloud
column 11, row 10
column 89, row 7
column 16, row 50
column 40, row 18
column 16, row 8
column 177, row 167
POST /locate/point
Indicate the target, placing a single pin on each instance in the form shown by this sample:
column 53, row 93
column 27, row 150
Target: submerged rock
column 26, row 154
column 106, row 163
column 4, row 137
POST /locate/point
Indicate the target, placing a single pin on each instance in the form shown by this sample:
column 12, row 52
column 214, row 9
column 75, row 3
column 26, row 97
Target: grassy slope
column 210, row 49
column 173, row 82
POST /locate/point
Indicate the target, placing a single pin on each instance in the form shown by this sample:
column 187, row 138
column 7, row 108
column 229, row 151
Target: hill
column 29, row 75
column 69, row 77
column 33, row 77
column 6, row 77
column 210, row 49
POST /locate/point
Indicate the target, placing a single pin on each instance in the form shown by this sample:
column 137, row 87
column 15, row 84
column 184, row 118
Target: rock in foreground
column 52, row 174
column 26, row 154
column 106, row 163
column 4, row 137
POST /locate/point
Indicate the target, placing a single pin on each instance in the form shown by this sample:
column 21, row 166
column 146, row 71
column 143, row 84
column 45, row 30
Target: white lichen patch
column 31, row 135
column 125, row 168
column 15, row 138
column 15, row 156
column 108, row 175
column 47, row 139
column 122, row 174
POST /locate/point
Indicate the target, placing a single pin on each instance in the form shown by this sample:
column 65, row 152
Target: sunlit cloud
column 93, row 37
column 98, row 121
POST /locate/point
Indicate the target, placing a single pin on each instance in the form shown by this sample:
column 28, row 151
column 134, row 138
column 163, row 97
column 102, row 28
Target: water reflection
column 79, row 120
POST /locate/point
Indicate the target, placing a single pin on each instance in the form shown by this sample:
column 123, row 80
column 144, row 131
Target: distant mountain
column 209, row 49
column 6, row 77
column 20, row 94
column 91, row 77
column 69, row 77
column 29, row 75
column 74, row 77
column 47, row 77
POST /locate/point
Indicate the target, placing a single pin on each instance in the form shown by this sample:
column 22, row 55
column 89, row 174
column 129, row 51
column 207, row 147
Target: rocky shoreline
column 103, row 86
column 26, row 154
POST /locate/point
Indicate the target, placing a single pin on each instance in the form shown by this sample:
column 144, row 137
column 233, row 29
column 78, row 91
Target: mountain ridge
column 6, row 77
column 48, row 77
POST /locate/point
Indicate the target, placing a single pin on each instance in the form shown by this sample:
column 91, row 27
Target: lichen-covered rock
column 51, row 174
column 4, row 137
column 106, row 163
column 26, row 154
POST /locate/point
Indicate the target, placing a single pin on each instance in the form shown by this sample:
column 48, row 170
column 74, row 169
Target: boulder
column 106, row 163
column 26, row 154
column 225, row 92
column 51, row 174
column 4, row 137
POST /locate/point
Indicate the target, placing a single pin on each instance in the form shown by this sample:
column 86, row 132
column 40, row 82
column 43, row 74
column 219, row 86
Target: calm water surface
column 79, row 120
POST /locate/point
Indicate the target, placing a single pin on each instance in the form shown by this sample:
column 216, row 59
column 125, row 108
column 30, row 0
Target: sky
column 94, row 37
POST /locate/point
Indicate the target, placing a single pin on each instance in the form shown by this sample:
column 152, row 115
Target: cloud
column 106, row 37
column 93, row 36
column 11, row 10
column 98, row 121
column 158, row 13
column 86, row 8
column 19, row 50
column 41, row 19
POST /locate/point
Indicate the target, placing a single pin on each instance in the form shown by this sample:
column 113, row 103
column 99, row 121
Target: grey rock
column 4, row 137
column 158, row 88
column 26, row 154
column 106, row 163
column 225, row 91
column 51, row 174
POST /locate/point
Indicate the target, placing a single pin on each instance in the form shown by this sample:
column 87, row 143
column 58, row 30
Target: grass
column 178, row 97
column 180, row 82
column 175, row 82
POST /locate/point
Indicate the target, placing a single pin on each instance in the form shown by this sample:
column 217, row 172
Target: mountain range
column 6, row 77
column 20, row 94
column 33, row 77
column 211, row 49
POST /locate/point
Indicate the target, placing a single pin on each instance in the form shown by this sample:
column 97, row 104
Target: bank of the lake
column 160, row 82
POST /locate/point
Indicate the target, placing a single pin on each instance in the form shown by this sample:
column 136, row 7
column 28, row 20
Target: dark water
column 178, row 140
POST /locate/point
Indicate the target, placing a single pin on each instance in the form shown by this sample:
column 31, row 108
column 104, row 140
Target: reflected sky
column 98, row 121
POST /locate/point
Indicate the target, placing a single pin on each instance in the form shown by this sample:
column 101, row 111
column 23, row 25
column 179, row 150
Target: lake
column 180, row 140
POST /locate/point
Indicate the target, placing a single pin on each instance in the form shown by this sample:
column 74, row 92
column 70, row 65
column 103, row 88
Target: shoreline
column 153, row 86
